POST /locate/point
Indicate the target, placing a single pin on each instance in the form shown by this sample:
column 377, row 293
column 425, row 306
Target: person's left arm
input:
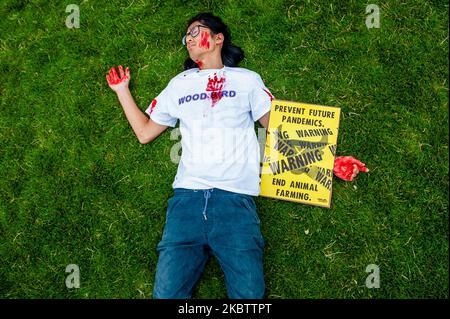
column 264, row 120
column 260, row 101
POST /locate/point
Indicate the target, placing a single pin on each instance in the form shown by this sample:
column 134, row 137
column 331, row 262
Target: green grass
column 76, row 187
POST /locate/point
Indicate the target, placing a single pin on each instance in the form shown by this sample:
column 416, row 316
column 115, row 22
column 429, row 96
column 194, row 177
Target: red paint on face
column 153, row 105
column 269, row 94
column 204, row 40
column 215, row 86
column 200, row 64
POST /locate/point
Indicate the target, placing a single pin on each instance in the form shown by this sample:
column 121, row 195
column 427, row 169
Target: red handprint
column 114, row 81
column 347, row 167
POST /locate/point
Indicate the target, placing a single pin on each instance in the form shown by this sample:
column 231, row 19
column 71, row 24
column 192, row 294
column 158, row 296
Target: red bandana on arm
column 347, row 167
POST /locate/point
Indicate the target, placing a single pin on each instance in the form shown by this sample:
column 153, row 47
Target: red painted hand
column 117, row 82
column 347, row 167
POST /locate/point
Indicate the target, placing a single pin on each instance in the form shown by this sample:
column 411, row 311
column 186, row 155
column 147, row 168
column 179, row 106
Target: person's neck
column 211, row 63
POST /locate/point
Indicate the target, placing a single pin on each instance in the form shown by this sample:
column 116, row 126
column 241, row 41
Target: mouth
column 190, row 46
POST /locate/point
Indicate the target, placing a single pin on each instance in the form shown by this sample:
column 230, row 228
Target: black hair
column 231, row 54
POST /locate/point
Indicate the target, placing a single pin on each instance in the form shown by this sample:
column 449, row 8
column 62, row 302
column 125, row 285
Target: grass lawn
column 76, row 186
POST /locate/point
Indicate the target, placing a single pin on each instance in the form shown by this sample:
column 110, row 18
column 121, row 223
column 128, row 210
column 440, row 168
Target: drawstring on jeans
column 207, row 195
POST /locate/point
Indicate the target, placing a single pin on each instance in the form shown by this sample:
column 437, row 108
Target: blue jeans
column 201, row 223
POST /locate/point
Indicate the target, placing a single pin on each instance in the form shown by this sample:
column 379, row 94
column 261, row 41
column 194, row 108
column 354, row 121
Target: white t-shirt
column 217, row 109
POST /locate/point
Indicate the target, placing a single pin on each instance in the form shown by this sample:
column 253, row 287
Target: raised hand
column 116, row 82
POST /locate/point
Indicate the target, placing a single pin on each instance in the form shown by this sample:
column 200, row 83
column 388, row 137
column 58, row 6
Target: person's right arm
column 145, row 129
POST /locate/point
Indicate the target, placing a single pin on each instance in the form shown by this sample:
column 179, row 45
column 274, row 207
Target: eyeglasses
column 193, row 33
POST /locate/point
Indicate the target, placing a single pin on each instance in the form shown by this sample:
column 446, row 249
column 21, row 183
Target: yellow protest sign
column 299, row 152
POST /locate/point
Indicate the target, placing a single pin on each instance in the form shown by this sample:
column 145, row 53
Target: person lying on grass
column 212, row 211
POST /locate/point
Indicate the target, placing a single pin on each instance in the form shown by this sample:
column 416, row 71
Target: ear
column 219, row 38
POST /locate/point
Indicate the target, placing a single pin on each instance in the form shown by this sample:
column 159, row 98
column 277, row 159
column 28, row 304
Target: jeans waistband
column 215, row 191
